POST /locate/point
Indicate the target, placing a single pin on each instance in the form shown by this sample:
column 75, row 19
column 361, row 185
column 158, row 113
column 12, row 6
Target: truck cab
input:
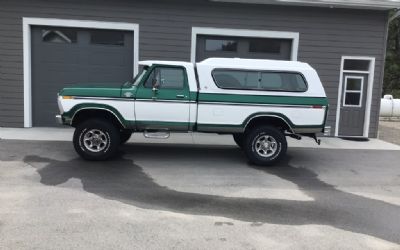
column 165, row 96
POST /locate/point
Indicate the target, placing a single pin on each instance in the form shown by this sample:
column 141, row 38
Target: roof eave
column 388, row 5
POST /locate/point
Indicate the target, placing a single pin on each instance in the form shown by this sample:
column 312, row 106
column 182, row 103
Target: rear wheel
column 265, row 145
column 96, row 139
column 124, row 136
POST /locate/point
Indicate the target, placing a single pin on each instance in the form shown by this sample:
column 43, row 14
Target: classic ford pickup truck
column 259, row 102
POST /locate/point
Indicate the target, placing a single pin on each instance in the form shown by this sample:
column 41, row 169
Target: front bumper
column 59, row 119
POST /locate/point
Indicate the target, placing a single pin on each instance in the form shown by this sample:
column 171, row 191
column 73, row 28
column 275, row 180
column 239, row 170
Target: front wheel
column 96, row 140
column 265, row 145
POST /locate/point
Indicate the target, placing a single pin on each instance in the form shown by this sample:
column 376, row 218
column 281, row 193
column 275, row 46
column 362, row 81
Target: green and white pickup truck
column 259, row 102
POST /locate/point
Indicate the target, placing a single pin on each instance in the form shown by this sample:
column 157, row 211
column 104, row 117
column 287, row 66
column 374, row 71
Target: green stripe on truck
column 262, row 99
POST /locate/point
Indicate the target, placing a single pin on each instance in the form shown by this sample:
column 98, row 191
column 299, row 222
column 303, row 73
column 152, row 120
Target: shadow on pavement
column 123, row 180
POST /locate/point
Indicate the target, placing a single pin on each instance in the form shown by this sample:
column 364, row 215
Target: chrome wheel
column 266, row 146
column 95, row 140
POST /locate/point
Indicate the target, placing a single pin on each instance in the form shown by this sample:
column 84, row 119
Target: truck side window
column 236, row 79
column 259, row 80
column 166, row 77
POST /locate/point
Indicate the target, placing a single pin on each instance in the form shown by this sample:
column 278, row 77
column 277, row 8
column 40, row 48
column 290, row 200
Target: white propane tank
column 390, row 107
column 387, row 106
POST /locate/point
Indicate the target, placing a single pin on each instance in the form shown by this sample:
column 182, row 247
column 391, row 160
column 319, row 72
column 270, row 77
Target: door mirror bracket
column 155, row 85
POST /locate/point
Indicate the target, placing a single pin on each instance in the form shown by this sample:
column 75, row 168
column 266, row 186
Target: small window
column 353, row 91
column 272, row 46
column 356, row 65
column 221, row 45
column 353, row 99
column 257, row 80
column 107, row 37
column 59, row 35
column 353, row 84
column 166, row 78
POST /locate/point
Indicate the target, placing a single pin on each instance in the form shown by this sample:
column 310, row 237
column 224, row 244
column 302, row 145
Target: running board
column 154, row 134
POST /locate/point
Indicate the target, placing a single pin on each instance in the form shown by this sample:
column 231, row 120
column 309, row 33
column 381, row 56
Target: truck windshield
column 137, row 79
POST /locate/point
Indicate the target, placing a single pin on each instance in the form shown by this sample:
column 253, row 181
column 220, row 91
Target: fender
column 240, row 128
column 293, row 128
column 279, row 116
column 69, row 116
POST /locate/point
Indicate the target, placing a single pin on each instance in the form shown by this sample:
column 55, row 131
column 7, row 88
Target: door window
column 208, row 46
column 353, row 91
column 107, row 37
column 166, row 78
column 265, row 45
column 356, row 65
column 221, row 45
column 59, row 35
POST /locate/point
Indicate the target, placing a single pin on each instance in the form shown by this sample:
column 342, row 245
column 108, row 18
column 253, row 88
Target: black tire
column 124, row 136
column 92, row 132
column 265, row 154
column 239, row 139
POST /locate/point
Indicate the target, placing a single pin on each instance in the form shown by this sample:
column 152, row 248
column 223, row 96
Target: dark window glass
column 353, row 84
column 353, row 99
column 257, row 80
column 166, row 78
column 265, row 46
column 271, row 81
column 236, row 79
column 59, row 35
column 221, row 45
column 358, row 65
column 107, row 37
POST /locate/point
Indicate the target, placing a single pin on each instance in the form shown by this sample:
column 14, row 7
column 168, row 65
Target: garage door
column 243, row 47
column 66, row 56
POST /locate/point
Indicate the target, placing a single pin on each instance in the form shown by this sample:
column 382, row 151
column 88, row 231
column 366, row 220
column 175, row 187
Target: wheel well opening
column 87, row 114
column 271, row 121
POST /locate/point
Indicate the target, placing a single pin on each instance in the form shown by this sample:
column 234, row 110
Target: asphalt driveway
column 157, row 196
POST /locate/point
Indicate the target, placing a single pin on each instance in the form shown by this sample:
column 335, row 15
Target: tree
column 391, row 84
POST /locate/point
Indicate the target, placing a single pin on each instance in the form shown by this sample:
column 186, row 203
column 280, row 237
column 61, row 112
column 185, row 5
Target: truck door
column 162, row 100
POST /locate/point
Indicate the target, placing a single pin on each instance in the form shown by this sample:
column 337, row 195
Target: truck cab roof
column 238, row 63
column 255, row 64
column 174, row 63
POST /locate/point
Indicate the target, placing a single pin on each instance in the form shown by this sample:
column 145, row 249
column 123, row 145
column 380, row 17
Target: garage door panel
column 100, row 76
column 264, row 56
column 110, row 57
column 54, row 55
column 58, row 75
column 64, row 57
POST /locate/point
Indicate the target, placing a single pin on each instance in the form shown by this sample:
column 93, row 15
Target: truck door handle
column 180, row 96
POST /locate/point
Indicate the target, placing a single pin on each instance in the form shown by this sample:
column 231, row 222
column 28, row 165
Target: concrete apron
column 65, row 134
